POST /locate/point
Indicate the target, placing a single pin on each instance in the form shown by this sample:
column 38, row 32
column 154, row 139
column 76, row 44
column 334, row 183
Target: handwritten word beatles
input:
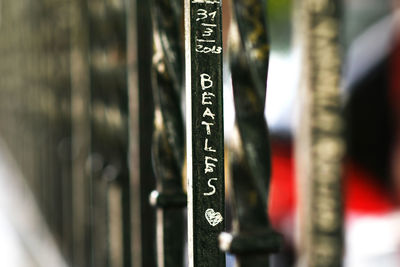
column 208, row 121
column 208, row 185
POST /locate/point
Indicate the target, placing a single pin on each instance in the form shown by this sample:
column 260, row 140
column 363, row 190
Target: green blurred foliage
column 280, row 24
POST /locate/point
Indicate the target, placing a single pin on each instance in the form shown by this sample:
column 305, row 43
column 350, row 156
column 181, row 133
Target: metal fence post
column 109, row 224
column 252, row 239
column 204, row 130
column 141, row 112
column 168, row 144
column 320, row 145
column 80, row 143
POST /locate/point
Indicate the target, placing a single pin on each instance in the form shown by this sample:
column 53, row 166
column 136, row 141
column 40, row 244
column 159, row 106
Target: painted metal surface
column 252, row 239
column 109, row 189
column 205, row 138
column 141, row 112
column 168, row 142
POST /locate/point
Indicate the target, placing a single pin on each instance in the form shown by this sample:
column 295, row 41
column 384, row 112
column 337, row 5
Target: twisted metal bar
column 252, row 239
column 167, row 148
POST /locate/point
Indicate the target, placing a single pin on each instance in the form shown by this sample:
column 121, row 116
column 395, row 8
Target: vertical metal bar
column 134, row 133
column 139, row 51
column 109, row 133
column 115, row 222
column 80, row 146
column 322, row 130
column 99, row 255
column 204, row 132
column 168, row 150
column 252, row 239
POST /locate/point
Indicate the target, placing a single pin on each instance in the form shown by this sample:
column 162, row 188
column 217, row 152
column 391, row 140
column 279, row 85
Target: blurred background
column 67, row 179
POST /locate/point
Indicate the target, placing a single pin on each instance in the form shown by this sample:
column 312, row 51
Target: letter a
column 208, row 113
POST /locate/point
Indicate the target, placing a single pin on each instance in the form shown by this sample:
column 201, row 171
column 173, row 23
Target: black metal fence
column 97, row 97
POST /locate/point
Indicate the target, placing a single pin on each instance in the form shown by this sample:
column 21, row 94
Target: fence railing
column 141, row 76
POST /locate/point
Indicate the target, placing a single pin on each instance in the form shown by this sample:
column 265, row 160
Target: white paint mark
column 208, row 148
column 213, row 218
column 208, row 128
column 213, row 189
column 206, row 98
column 205, row 81
column 209, row 165
column 208, row 113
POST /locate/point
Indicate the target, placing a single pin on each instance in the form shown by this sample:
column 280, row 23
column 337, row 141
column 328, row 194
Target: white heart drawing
column 213, row 217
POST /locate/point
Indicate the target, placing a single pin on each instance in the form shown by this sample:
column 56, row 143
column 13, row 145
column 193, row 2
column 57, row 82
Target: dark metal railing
column 204, row 130
column 168, row 143
column 107, row 162
column 100, row 97
column 252, row 239
column 141, row 114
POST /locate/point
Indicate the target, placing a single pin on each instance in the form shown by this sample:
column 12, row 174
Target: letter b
column 205, row 81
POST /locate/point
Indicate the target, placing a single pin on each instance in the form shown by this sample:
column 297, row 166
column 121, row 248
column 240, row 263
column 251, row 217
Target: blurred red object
column 363, row 194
